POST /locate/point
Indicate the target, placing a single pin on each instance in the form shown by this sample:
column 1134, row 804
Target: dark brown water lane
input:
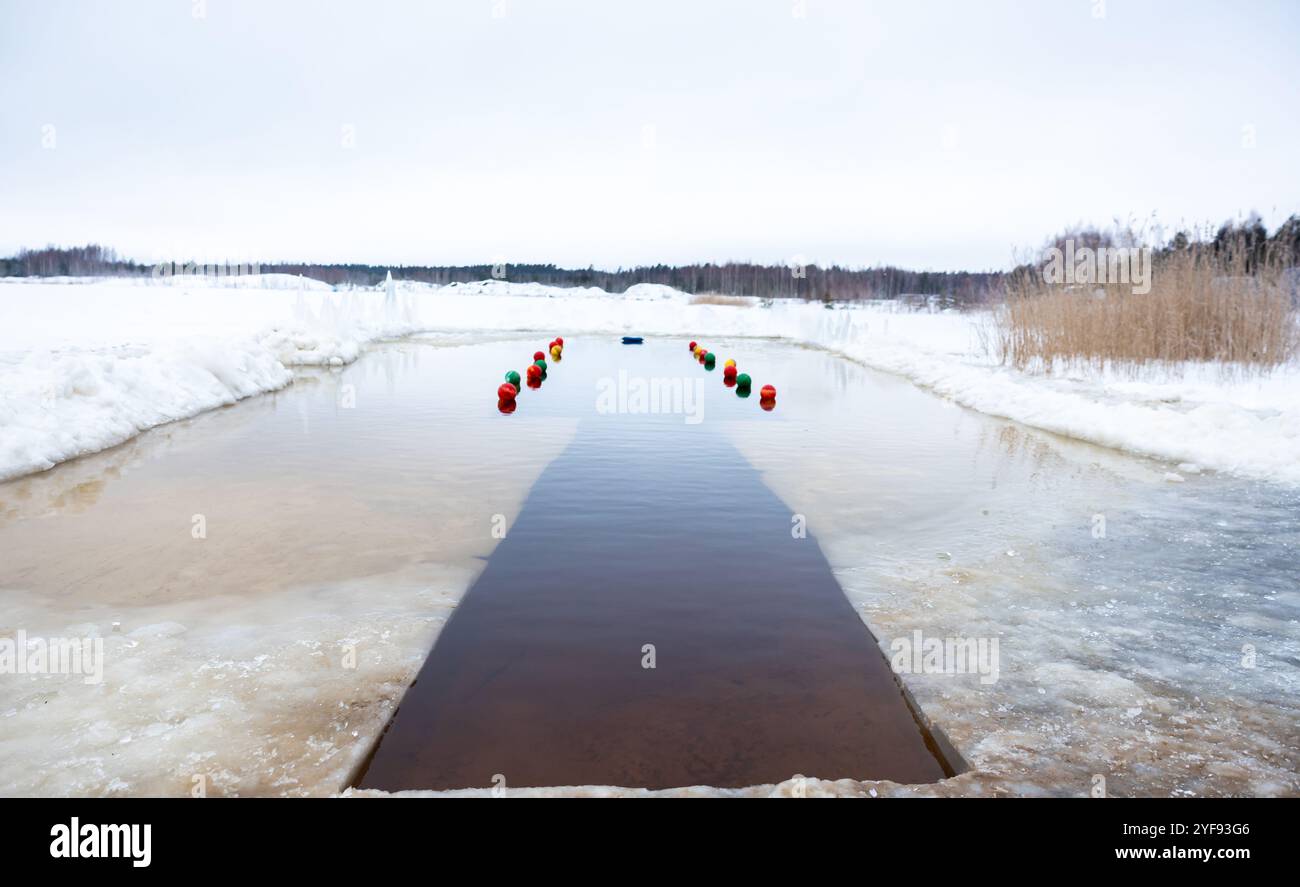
column 652, row 538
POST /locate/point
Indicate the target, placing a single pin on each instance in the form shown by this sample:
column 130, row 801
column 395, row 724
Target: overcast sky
column 924, row 134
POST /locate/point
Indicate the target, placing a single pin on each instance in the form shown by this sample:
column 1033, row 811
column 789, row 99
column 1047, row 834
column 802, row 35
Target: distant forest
column 736, row 279
column 732, row 278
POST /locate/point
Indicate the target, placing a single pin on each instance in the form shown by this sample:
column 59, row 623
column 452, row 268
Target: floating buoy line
column 733, row 378
column 534, row 375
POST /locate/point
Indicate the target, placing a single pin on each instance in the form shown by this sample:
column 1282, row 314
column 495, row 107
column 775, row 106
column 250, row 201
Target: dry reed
column 716, row 299
column 1202, row 307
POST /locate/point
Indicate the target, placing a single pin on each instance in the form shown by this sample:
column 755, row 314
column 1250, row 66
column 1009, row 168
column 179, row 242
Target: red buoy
column 729, row 373
column 534, row 372
column 507, row 406
column 538, row 355
column 559, row 340
column 767, row 393
column 507, row 391
column 693, row 344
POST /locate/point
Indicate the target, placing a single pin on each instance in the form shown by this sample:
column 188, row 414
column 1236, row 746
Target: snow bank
column 1187, row 415
column 86, row 364
column 54, row 406
column 1191, row 415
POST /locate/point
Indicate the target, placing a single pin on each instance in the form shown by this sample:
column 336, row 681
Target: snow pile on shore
column 1193, row 415
column 55, row 406
column 85, row 365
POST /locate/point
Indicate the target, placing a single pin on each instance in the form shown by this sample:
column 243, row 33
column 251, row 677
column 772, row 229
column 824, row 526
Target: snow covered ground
column 87, row 364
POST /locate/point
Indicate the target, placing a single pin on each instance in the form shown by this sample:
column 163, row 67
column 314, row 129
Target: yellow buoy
column 729, row 362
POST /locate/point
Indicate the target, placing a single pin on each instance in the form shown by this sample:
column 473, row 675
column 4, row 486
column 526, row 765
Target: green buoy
column 743, row 382
column 513, row 378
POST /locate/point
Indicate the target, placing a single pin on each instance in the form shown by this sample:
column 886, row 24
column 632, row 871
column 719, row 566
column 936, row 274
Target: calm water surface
column 629, row 531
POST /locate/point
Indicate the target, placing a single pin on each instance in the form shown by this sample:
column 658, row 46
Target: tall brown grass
column 1224, row 307
column 717, row 299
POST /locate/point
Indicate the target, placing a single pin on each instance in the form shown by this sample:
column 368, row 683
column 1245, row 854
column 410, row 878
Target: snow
column 86, row 364
column 177, row 703
column 227, row 655
column 1121, row 642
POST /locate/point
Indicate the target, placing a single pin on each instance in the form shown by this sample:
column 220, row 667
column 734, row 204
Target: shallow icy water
column 342, row 518
column 1148, row 628
column 346, row 515
column 651, row 621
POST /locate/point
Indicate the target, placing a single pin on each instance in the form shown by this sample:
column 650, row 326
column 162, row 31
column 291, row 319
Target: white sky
column 923, row 134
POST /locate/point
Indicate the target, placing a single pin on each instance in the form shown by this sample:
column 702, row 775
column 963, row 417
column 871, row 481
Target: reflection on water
column 1126, row 607
column 341, row 519
column 346, row 515
column 651, row 534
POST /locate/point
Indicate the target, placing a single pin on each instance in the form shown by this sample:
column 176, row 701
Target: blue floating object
column 632, row 340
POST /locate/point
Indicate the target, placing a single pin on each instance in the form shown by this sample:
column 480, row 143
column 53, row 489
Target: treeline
column 72, row 261
column 1248, row 239
column 1250, row 242
column 733, row 278
column 1245, row 244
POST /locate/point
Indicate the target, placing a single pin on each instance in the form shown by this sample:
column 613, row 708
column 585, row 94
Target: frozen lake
column 268, row 578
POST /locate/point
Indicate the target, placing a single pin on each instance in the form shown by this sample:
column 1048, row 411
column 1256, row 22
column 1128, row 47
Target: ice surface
column 1149, row 633
column 1123, row 642
column 84, row 365
column 1122, row 658
column 328, row 530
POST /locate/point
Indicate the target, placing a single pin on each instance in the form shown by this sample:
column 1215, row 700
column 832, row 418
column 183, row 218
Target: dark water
column 355, row 507
column 651, row 534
